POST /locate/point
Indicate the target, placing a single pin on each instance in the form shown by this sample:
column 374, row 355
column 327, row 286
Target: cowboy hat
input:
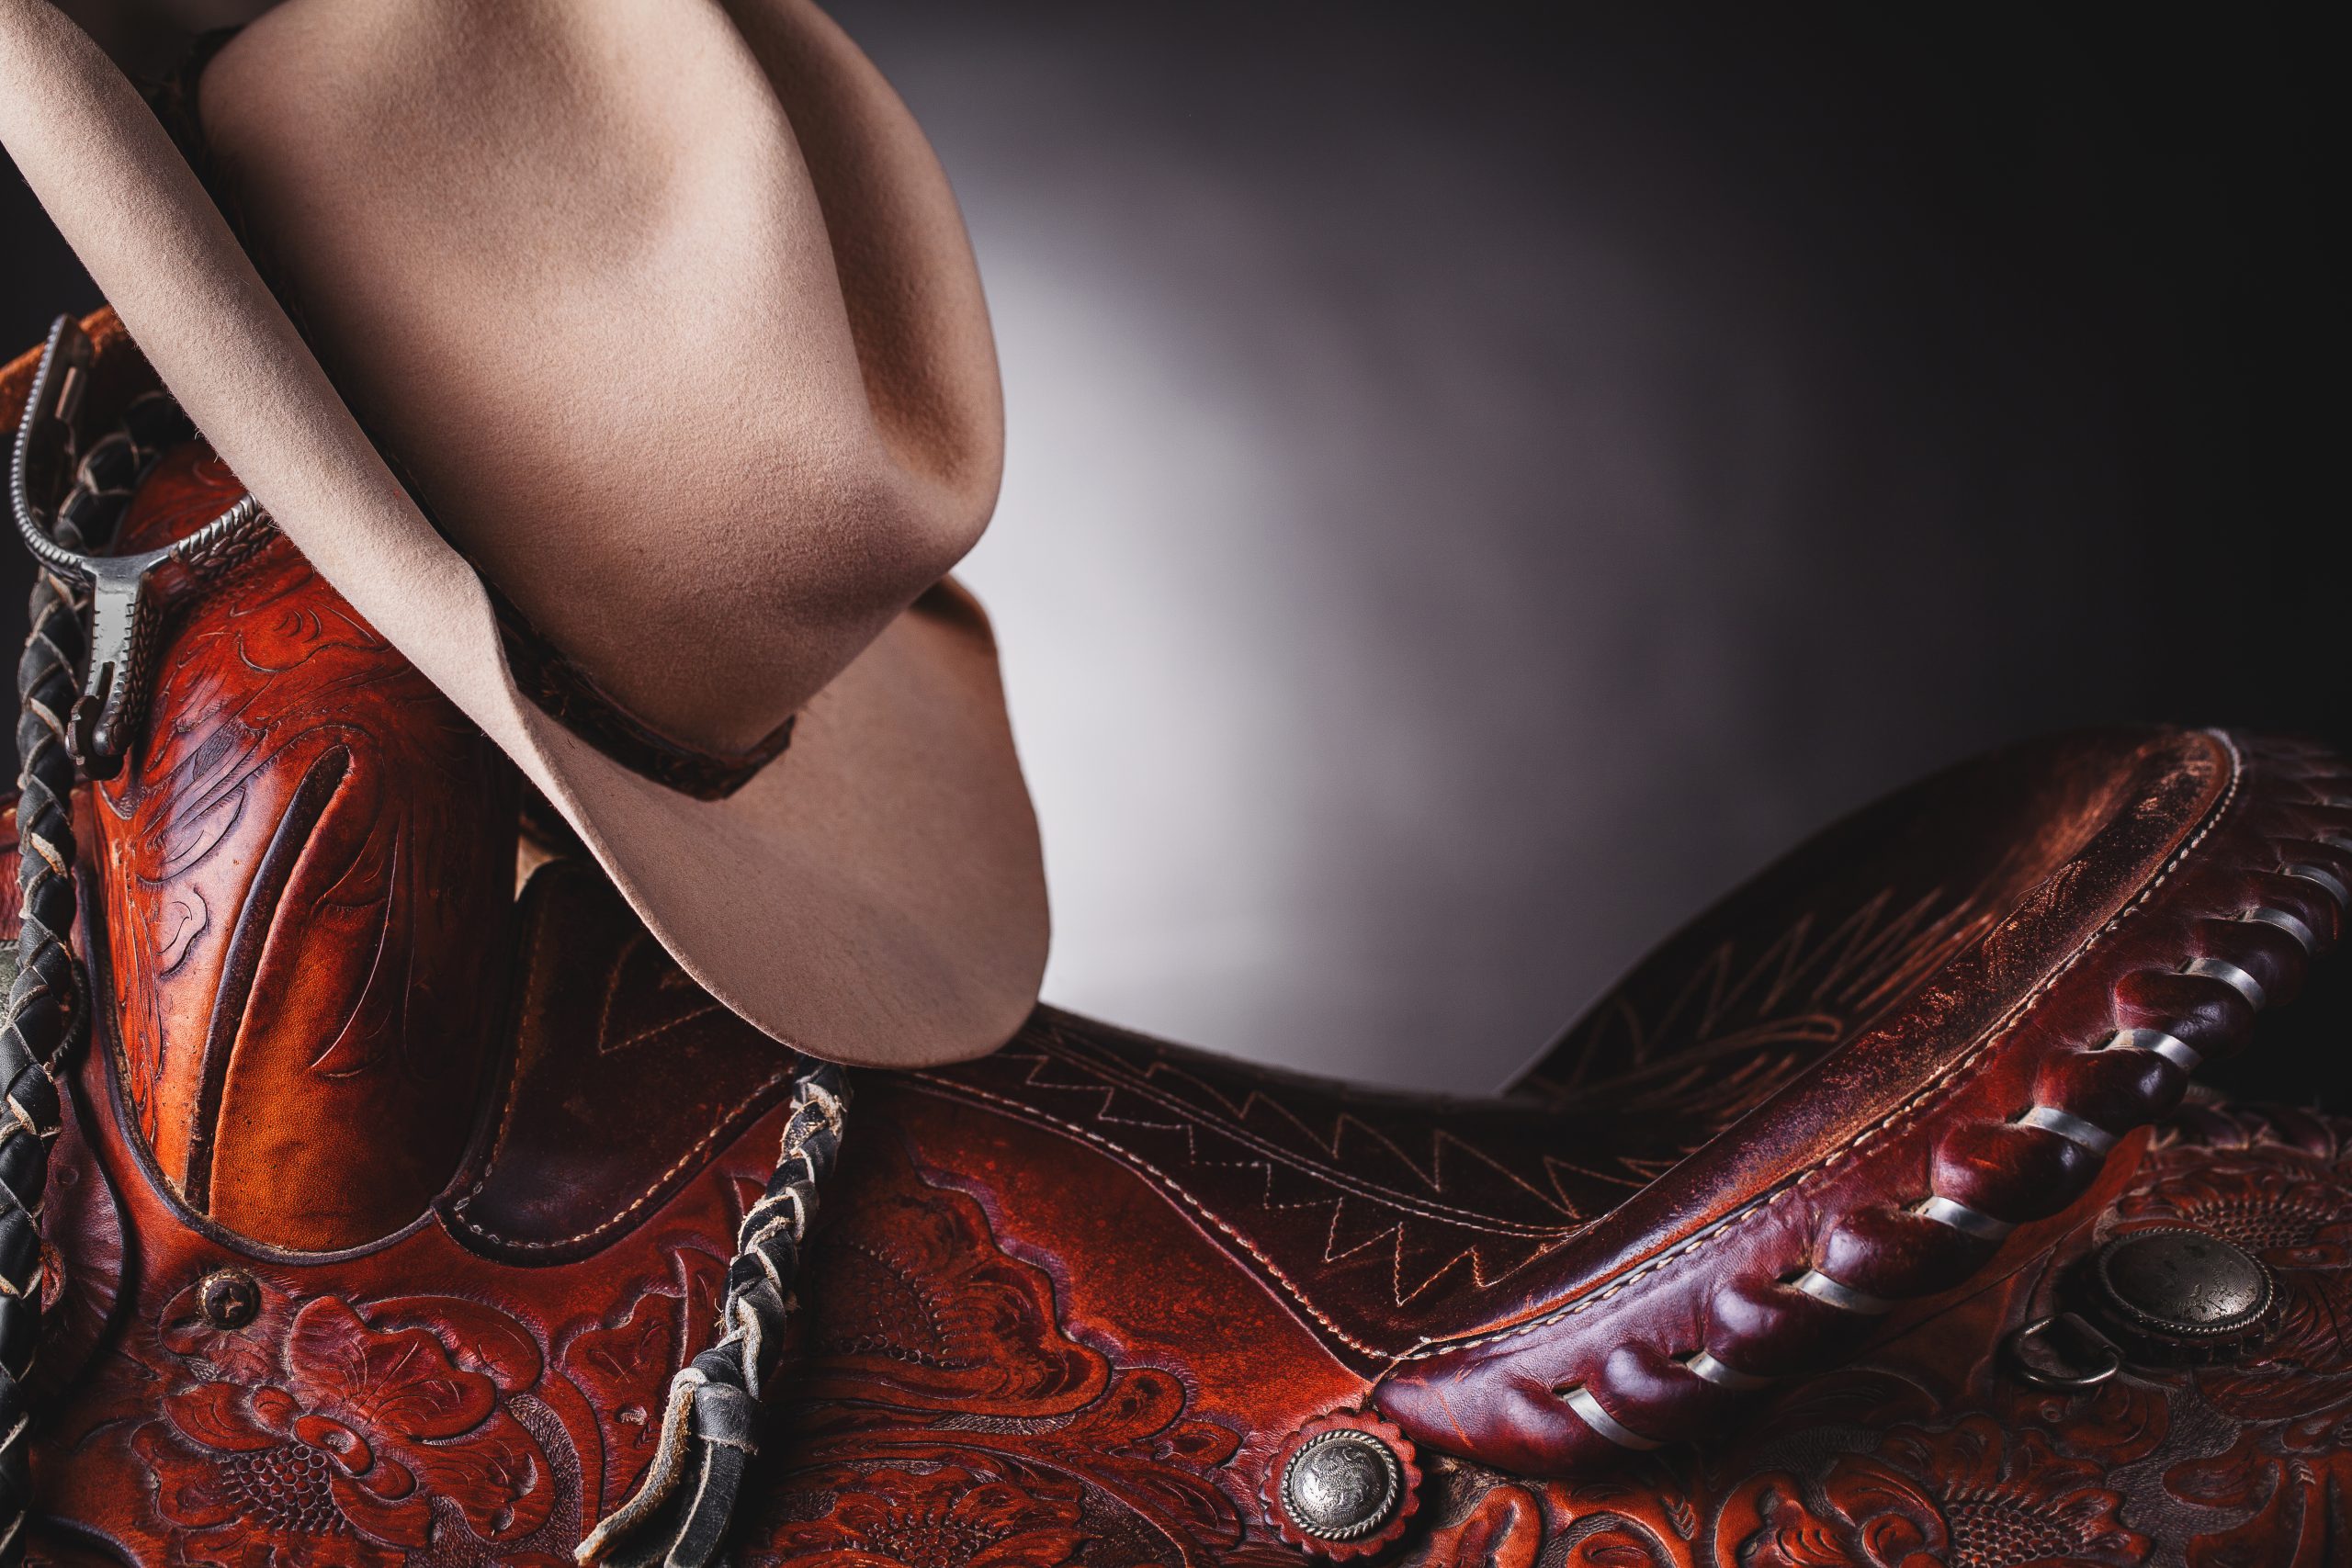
column 665, row 313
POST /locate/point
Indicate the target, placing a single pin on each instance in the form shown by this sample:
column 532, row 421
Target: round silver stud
column 1341, row 1485
column 2183, row 1293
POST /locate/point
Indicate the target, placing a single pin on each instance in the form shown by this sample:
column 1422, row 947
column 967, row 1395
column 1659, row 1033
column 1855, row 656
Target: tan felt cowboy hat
column 665, row 313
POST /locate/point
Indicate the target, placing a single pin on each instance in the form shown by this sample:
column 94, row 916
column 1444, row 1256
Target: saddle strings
column 679, row 1515
column 46, row 1013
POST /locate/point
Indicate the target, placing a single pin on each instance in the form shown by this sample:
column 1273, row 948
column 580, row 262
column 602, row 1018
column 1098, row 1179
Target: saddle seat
column 390, row 1198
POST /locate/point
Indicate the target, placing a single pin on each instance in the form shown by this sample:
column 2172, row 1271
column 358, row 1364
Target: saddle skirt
column 392, row 1197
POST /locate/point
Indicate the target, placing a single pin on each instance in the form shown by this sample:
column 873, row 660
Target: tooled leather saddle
column 1874, row 1219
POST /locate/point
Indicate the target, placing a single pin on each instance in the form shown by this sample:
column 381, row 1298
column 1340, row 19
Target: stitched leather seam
column 1172, row 1186
column 1115, row 1076
column 1931, row 1099
column 524, row 1030
column 457, row 1210
column 701, row 1146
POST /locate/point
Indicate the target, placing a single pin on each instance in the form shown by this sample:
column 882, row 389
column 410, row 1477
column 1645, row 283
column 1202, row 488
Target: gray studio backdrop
column 1476, row 492
column 1459, row 517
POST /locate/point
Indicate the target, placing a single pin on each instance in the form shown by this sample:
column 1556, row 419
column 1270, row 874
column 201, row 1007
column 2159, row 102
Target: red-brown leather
column 2166, row 844
column 1926, row 1448
column 304, row 871
column 1069, row 1301
column 622, row 1079
column 1016, row 1349
column 117, row 373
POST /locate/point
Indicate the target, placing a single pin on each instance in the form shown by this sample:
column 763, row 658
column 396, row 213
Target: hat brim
column 874, row 896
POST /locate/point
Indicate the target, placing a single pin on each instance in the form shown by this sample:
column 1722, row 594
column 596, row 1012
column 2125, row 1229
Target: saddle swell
column 304, row 880
column 389, row 1200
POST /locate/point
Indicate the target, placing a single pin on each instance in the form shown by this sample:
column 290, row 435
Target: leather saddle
column 1872, row 1219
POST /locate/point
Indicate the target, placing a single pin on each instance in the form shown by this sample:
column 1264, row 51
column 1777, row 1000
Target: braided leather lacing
column 49, row 999
column 46, row 1012
column 710, row 1428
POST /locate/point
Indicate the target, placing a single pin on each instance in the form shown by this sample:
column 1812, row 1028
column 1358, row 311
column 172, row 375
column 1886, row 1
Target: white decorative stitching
column 1930, row 1097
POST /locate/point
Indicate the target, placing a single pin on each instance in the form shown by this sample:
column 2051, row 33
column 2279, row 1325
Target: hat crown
column 664, row 311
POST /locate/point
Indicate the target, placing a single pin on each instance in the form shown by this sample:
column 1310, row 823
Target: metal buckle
column 128, row 593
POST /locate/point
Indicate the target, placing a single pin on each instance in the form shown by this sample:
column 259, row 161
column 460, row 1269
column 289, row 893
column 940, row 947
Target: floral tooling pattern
column 314, row 1435
column 947, row 1412
column 953, row 1421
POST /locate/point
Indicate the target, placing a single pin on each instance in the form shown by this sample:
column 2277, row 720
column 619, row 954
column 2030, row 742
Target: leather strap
column 47, row 1011
column 681, row 1513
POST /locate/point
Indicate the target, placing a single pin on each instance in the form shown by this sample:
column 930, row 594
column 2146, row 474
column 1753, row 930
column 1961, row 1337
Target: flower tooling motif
column 316, row 1436
column 1971, row 1492
column 950, row 1419
column 949, row 1517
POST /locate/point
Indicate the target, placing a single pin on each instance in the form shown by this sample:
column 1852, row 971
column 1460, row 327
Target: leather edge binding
column 2263, row 827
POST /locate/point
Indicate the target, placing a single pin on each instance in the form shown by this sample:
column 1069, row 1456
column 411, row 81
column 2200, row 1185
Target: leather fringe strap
column 679, row 1515
column 48, row 1004
column 45, row 1009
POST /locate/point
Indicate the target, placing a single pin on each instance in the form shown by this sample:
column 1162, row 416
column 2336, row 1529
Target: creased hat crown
column 664, row 307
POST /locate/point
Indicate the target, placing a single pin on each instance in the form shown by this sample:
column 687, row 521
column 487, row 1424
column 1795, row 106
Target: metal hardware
column 2221, row 969
column 228, row 1298
column 128, row 593
column 1963, row 1219
column 2170, row 1047
column 2292, row 924
column 1845, row 1298
column 1580, row 1400
column 2320, row 877
column 1342, row 1485
column 2177, row 1294
column 2069, row 1126
column 1722, row 1375
column 2062, row 1351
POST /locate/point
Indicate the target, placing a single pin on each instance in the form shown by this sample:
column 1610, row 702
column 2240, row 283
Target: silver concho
column 2183, row 1285
column 1341, row 1485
